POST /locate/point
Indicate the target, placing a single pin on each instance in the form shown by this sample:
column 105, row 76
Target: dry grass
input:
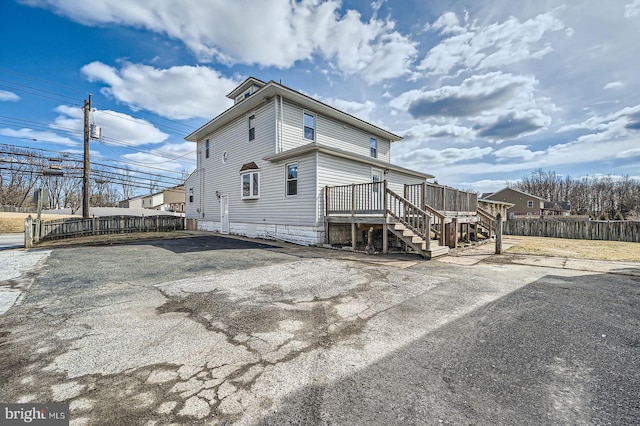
column 14, row 222
column 576, row 249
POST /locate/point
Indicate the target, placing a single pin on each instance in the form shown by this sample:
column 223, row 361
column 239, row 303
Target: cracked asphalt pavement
column 214, row 330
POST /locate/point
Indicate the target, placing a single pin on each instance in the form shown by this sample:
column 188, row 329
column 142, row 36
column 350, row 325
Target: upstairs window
column 309, row 126
column 206, row 149
column 191, row 194
column 252, row 127
column 292, row 179
column 530, row 204
column 373, row 147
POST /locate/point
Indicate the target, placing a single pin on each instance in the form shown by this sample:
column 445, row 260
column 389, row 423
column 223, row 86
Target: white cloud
column 179, row 92
column 499, row 106
column 8, row 96
column 450, row 130
column 628, row 116
column 39, row 136
column 613, row 85
column 362, row 110
column 516, row 151
column 487, row 185
column 117, row 128
column 443, row 157
column 471, row 47
column 632, row 9
column 176, row 157
column 448, row 23
column 264, row 32
column 633, row 152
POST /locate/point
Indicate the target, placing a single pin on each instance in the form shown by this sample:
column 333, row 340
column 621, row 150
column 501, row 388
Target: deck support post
column 369, row 249
column 326, row 233
column 353, row 235
column 385, row 238
column 28, row 232
column 499, row 233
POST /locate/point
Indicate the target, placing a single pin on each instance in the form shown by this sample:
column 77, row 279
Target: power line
column 48, row 82
column 33, row 91
column 37, row 89
column 76, row 158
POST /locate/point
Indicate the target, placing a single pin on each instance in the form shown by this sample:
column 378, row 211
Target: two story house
column 264, row 163
column 524, row 204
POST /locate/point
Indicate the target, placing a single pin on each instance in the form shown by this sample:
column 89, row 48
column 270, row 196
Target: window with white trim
column 530, row 204
column 309, row 122
column 207, row 145
column 191, row 194
column 292, row 179
column 250, row 185
column 373, row 147
column 249, row 181
column 252, row 127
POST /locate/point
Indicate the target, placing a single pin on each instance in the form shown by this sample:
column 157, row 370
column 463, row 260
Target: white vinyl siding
column 328, row 132
column 272, row 206
column 224, row 177
column 335, row 171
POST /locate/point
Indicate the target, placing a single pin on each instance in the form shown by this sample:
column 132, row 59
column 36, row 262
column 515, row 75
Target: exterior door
column 224, row 214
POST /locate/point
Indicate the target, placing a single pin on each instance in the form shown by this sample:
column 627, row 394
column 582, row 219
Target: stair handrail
column 441, row 218
column 491, row 219
column 414, row 226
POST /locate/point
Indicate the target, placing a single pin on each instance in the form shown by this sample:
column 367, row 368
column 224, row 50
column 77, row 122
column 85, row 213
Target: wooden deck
column 422, row 217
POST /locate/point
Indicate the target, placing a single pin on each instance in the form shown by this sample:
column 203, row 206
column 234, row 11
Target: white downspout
column 281, row 121
column 276, row 123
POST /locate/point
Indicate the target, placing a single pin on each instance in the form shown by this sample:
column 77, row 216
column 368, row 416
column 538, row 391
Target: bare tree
column 601, row 197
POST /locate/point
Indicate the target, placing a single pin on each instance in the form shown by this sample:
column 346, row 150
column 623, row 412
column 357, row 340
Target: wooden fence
column 78, row 227
column 578, row 230
column 14, row 209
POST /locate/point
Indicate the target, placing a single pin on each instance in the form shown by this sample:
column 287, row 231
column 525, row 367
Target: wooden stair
column 417, row 243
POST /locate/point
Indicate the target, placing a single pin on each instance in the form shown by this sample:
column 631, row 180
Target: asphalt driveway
column 213, row 330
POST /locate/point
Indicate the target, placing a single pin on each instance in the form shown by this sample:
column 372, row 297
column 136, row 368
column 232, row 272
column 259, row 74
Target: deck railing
column 441, row 198
column 487, row 221
column 410, row 215
column 356, row 199
column 377, row 199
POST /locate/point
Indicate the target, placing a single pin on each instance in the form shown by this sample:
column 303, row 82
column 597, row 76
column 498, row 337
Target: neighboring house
column 524, row 205
column 153, row 201
column 263, row 164
column 174, row 199
column 557, row 208
column 131, row 203
column 169, row 200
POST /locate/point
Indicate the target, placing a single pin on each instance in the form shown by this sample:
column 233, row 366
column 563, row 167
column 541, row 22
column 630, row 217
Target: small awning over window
column 249, row 166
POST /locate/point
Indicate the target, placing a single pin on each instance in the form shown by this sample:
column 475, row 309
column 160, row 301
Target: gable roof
column 251, row 81
column 249, row 166
column 489, row 197
column 267, row 93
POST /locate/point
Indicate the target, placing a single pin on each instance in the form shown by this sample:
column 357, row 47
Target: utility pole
column 86, row 168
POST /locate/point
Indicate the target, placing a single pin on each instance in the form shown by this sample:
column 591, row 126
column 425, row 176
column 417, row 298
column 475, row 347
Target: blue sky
column 483, row 92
